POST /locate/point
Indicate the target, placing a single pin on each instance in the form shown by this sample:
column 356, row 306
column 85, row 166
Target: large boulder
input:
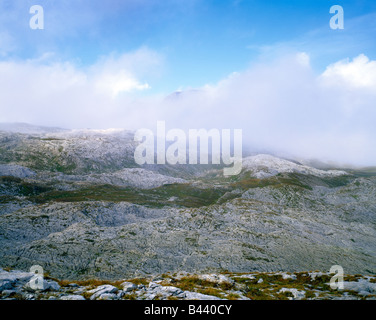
column 98, row 291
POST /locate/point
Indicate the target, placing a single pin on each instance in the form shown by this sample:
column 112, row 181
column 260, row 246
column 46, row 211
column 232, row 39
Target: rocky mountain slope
column 76, row 203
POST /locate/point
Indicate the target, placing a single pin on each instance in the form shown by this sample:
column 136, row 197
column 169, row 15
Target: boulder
column 98, row 291
column 108, row 296
column 48, row 285
column 128, row 286
column 51, row 285
column 199, row 296
column 5, row 285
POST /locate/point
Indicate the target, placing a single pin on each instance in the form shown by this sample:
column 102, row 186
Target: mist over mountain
column 282, row 106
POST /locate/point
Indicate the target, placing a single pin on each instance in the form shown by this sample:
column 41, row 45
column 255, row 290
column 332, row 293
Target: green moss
column 212, row 292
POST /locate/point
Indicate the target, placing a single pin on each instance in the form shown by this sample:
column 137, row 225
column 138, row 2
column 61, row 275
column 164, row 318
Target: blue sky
column 201, row 41
column 274, row 69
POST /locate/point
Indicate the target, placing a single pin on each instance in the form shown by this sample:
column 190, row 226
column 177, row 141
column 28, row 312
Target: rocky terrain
column 76, row 203
column 17, row 285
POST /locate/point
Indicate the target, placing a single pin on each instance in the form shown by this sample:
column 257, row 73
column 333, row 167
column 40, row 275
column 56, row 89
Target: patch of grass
column 310, row 294
column 18, row 187
column 89, row 283
column 255, row 293
column 339, row 181
column 194, row 283
column 131, row 296
column 251, row 182
column 51, row 139
column 232, row 296
column 354, row 277
column 87, row 295
column 272, row 283
column 139, row 281
column 283, row 295
column 13, row 295
column 84, row 283
column 225, row 285
column 212, row 292
column 319, row 282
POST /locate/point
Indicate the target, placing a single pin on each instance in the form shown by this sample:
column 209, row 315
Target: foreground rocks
column 16, row 285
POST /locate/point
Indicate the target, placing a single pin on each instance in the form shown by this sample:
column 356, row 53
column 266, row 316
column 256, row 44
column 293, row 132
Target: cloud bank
column 282, row 106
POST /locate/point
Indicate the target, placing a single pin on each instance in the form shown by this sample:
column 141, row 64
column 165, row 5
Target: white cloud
column 359, row 73
column 303, row 59
column 59, row 93
column 285, row 107
column 116, row 74
column 281, row 106
column 118, row 83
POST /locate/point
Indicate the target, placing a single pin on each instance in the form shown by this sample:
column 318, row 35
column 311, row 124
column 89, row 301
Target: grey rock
column 297, row 294
column 7, row 293
column 199, row 296
column 128, row 286
column 169, row 290
column 149, row 296
column 48, row 285
column 98, row 291
column 5, row 285
column 15, row 171
column 154, row 285
column 51, row 285
column 217, row 278
column 15, row 276
column 108, row 296
column 163, row 292
column 362, row 286
column 72, row 297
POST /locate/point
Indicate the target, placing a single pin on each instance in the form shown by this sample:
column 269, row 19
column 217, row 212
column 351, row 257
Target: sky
column 274, row 69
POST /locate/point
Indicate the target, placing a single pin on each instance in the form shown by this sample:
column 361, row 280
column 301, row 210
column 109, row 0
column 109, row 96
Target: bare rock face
column 76, row 203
